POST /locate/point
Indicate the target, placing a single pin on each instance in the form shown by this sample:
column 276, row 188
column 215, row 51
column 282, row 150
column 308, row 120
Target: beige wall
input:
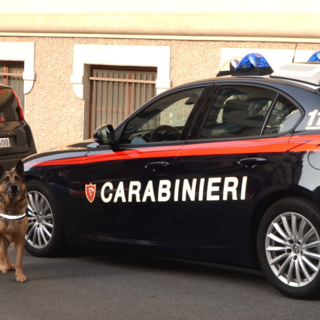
column 182, row 26
column 163, row 6
column 55, row 113
column 197, row 34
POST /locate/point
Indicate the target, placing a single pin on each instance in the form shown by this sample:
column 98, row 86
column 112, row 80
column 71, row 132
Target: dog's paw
column 21, row 278
column 11, row 266
column 3, row 269
column 7, row 267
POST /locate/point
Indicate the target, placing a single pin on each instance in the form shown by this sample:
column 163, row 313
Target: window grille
column 117, row 92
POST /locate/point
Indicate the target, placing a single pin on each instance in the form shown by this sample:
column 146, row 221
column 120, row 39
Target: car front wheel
column 45, row 235
column 289, row 247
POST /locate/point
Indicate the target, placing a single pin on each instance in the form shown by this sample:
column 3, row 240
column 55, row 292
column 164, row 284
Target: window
column 238, row 111
column 163, row 120
column 283, row 117
column 11, row 73
column 9, row 108
column 117, row 92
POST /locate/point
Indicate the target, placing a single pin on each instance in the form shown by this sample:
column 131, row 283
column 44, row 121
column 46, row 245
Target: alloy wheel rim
column 292, row 247
column 40, row 218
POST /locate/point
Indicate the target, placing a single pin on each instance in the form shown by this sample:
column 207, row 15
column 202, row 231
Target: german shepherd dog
column 13, row 217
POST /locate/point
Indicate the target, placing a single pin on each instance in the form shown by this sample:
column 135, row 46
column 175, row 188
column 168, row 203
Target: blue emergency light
column 253, row 64
column 315, row 57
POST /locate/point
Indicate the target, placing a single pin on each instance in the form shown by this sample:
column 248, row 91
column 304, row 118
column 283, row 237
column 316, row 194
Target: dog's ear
column 19, row 168
column 1, row 170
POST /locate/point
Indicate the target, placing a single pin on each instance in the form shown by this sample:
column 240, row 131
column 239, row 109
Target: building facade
column 78, row 67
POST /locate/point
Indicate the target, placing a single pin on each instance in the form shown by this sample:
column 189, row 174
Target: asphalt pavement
column 95, row 284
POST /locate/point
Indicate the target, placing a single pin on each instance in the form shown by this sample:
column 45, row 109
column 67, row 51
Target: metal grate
column 117, row 93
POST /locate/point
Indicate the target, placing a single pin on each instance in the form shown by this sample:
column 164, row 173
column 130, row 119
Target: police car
column 225, row 170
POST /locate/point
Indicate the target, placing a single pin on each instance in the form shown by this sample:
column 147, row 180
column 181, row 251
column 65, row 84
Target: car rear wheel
column 45, row 235
column 289, row 247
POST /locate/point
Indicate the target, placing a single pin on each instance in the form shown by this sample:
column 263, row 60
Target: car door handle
column 253, row 162
column 157, row 166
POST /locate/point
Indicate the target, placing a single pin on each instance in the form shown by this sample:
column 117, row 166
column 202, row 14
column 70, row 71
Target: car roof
column 254, row 68
column 255, row 79
column 4, row 86
column 267, row 80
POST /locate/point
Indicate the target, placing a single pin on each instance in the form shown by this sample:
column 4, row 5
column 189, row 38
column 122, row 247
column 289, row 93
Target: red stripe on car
column 251, row 146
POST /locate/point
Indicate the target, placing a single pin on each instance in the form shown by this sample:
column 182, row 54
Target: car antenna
column 294, row 53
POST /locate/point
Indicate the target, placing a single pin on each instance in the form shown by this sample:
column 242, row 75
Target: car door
column 132, row 182
column 240, row 143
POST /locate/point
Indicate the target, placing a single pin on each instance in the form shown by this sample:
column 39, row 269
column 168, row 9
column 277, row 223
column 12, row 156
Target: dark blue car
column 225, row 170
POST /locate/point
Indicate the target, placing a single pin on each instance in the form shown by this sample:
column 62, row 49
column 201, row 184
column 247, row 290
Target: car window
column 238, row 111
column 283, row 117
column 163, row 120
column 9, row 109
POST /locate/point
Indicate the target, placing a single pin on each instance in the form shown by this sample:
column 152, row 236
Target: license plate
column 4, row 143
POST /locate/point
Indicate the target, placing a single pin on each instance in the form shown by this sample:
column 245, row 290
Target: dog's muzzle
column 12, row 191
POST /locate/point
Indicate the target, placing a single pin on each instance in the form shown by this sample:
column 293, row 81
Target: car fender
column 271, row 191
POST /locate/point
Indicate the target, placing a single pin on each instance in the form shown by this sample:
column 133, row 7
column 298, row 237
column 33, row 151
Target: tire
column 45, row 236
column 288, row 245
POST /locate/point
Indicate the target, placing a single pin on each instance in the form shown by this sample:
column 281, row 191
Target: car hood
column 60, row 154
column 85, row 144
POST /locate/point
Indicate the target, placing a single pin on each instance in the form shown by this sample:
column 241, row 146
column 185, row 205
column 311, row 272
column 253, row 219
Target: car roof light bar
column 315, row 57
column 228, row 67
column 253, row 64
column 306, row 72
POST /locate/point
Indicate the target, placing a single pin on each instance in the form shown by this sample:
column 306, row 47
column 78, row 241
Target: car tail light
column 19, row 105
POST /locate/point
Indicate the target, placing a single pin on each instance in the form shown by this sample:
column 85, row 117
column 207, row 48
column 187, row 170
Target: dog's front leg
column 9, row 264
column 3, row 260
column 19, row 246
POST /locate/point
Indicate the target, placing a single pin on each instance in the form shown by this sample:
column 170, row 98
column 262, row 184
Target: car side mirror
column 105, row 135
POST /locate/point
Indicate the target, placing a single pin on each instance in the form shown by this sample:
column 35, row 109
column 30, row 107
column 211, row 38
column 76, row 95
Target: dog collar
column 8, row 217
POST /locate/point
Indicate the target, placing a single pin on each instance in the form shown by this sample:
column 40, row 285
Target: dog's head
column 12, row 183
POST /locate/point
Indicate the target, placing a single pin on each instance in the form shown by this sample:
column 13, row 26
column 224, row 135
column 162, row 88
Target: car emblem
column 296, row 249
column 90, row 192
